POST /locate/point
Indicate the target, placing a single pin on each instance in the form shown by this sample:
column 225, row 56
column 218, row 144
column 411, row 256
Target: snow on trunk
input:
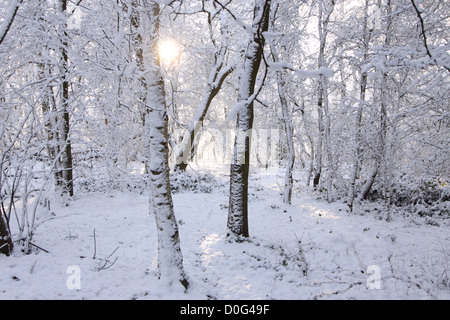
column 289, row 182
column 238, row 206
column 325, row 12
column 6, row 245
column 64, row 116
column 356, row 165
column 170, row 259
column 287, row 119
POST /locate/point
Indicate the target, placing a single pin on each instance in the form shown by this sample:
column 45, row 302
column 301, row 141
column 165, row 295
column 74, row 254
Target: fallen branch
column 336, row 292
column 95, row 246
column 105, row 265
column 32, row 244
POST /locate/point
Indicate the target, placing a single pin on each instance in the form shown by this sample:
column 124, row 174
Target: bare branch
column 424, row 36
column 9, row 19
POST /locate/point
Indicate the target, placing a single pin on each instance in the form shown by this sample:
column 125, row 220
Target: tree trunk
column 319, row 147
column 288, row 180
column 386, row 154
column 368, row 185
column 362, row 101
column 325, row 12
column 48, row 107
column 170, row 259
column 357, row 152
column 240, row 167
column 64, row 120
column 6, row 244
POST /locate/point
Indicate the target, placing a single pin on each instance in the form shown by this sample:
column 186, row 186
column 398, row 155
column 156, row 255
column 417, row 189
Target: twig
column 95, row 246
column 32, row 268
column 336, row 292
column 105, row 265
column 9, row 19
column 425, row 41
column 113, row 252
column 70, row 237
column 38, row 247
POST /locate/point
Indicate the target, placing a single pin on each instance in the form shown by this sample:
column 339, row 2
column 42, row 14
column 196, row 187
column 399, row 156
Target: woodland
column 172, row 105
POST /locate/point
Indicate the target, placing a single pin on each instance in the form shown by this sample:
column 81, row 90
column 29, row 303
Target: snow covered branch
column 424, row 36
column 302, row 73
column 9, row 18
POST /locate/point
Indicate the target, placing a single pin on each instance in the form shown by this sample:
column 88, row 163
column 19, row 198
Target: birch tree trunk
column 238, row 207
column 384, row 148
column 288, row 180
column 319, row 148
column 64, row 115
column 48, row 106
column 386, row 154
column 325, row 12
column 170, row 258
column 358, row 126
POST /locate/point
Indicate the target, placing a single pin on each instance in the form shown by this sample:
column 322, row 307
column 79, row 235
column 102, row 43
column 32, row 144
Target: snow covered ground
column 310, row 250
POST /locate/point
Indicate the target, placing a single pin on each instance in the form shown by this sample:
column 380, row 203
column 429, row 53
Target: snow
column 9, row 17
column 309, row 250
column 238, row 107
column 166, row 2
column 322, row 71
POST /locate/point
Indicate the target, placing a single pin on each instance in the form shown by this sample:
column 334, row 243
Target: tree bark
column 325, row 12
column 170, row 258
column 6, row 244
column 358, row 126
column 240, row 167
column 368, row 185
column 385, row 158
column 48, row 107
column 288, row 180
column 64, row 120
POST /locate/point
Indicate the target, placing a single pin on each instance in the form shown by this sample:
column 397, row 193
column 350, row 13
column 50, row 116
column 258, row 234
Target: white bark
column 63, row 114
column 170, row 258
column 325, row 12
column 288, row 180
column 358, row 125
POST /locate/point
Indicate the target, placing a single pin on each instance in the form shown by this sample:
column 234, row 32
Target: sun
column 169, row 51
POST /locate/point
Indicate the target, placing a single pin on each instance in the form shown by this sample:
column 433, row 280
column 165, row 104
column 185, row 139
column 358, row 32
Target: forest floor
column 309, row 250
